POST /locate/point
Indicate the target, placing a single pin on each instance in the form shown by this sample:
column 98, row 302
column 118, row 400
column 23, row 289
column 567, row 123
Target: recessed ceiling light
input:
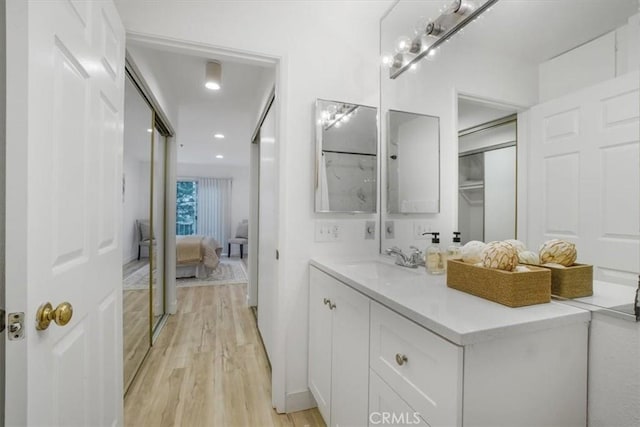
column 219, row 156
column 149, row 130
column 218, row 135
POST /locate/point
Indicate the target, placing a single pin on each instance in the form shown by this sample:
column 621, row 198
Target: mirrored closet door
column 137, row 232
column 143, row 198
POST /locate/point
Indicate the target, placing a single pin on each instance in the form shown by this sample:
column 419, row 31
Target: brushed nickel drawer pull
column 327, row 301
column 331, row 305
column 401, row 359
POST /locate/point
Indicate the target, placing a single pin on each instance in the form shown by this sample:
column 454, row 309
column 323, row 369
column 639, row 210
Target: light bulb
column 345, row 118
column 420, row 25
column 414, row 67
column 332, row 109
column 338, row 124
column 387, row 60
column 218, row 136
column 212, row 86
column 219, row 156
column 403, row 44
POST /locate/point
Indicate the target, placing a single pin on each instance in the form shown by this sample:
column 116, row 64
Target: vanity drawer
column 424, row 369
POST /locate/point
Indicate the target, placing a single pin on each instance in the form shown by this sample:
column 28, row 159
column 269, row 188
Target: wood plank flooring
column 208, row 368
column 135, row 319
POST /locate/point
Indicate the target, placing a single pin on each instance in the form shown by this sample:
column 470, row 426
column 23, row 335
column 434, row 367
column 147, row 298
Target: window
column 186, row 208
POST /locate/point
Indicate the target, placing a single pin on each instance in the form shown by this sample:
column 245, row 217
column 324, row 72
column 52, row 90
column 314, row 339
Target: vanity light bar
column 453, row 19
column 343, row 111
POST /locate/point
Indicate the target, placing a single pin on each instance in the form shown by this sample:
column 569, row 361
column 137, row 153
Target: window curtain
column 214, row 208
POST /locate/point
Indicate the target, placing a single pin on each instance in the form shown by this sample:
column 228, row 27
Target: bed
column 196, row 256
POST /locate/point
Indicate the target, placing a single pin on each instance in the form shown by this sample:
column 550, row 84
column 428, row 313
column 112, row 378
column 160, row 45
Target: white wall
column 136, row 202
column 239, row 188
column 326, row 52
column 153, row 77
column 610, row 55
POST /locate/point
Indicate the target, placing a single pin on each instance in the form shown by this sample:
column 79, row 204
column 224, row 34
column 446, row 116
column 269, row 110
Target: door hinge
column 15, row 330
column 277, row 254
column 3, row 320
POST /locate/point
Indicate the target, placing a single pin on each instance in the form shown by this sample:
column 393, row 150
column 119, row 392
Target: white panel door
column 64, row 201
column 584, row 176
column 268, row 219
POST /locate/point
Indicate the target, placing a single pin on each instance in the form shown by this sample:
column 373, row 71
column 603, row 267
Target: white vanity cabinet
column 408, row 350
column 338, row 350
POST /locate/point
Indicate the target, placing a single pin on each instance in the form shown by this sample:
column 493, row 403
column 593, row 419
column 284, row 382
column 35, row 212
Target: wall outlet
column 328, row 231
column 369, row 230
column 419, row 228
column 389, row 230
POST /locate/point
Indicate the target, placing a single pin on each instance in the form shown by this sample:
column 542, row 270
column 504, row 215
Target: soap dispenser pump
column 433, row 259
column 453, row 251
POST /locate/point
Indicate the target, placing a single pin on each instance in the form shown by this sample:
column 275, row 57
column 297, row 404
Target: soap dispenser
column 453, row 251
column 433, row 258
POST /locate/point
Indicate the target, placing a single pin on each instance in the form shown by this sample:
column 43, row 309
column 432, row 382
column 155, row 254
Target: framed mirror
column 346, row 157
column 413, row 163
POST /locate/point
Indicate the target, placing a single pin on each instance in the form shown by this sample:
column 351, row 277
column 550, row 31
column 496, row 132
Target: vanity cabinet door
column 320, row 322
column 338, row 350
column 350, row 362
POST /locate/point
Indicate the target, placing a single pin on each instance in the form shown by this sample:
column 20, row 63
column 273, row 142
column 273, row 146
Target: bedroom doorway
column 211, row 144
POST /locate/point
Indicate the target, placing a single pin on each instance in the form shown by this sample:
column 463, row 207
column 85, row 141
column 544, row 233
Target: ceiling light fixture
column 213, row 75
column 218, row 135
column 430, row 34
column 219, row 156
column 149, row 130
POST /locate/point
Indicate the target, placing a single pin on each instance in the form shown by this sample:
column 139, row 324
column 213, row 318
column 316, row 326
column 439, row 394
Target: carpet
column 229, row 272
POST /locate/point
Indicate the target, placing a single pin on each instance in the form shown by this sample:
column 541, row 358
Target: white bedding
column 196, row 256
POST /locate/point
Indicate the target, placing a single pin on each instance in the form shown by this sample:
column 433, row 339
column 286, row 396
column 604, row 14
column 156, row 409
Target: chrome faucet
column 417, row 257
column 411, row 261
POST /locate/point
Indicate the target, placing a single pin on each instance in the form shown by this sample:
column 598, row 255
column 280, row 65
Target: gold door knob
column 61, row 315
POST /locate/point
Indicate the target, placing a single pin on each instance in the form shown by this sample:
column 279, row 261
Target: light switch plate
column 370, row 230
column 389, row 230
column 419, row 228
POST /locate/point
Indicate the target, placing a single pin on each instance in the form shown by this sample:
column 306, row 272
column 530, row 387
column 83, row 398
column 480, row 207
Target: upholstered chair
column 241, row 238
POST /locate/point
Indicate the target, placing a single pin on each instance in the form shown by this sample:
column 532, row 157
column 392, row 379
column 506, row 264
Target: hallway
column 208, row 368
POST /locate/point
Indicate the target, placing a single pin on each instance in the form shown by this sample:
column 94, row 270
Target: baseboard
column 300, row 401
column 172, row 307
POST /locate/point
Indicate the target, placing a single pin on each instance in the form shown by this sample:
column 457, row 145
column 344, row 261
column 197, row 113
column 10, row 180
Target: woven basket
column 572, row 282
column 510, row 288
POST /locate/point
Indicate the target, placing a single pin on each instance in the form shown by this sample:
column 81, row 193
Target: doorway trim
column 278, row 364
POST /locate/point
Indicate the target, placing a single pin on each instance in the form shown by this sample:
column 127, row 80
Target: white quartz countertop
column 609, row 298
column 425, row 299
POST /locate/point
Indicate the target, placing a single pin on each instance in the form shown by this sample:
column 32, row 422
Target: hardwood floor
column 135, row 305
column 208, row 368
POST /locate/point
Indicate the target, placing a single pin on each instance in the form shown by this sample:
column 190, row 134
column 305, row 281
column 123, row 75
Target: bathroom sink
column 380, row 270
